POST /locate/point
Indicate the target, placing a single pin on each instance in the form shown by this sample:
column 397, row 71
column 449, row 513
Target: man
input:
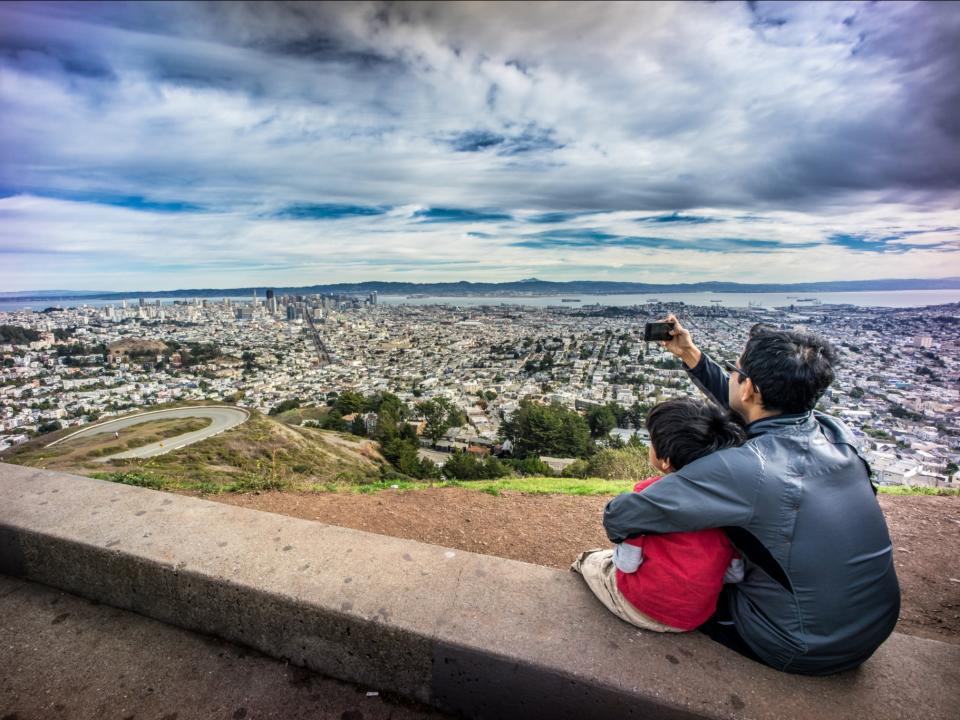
column 820, row 592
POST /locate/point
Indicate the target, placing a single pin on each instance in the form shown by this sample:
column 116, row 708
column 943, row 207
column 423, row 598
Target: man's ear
column 666, row 465
column 749, row 394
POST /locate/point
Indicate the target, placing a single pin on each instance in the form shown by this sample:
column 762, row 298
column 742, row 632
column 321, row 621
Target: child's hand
column 734, row 572
column 627, row 557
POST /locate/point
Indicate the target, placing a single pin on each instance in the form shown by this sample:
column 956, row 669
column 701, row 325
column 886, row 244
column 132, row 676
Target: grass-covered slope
column 260, row 454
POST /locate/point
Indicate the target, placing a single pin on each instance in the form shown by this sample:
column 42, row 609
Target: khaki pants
column 600, row 574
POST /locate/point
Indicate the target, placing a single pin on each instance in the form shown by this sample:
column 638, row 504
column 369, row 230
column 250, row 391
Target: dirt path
column 552, row 530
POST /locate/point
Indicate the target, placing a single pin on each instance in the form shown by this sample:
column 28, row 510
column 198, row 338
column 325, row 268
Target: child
column 670, row 583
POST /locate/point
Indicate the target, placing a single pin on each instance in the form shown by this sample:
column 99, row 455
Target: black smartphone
column 658, row 331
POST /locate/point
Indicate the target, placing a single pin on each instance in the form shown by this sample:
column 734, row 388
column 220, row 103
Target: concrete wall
column 468, row 633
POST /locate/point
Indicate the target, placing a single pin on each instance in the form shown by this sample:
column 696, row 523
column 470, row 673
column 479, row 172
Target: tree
column 601, row 420
column 402, row 454
column 358, row 426
column 436, row 417
column 350, row 401
column 335, row 421
column 16, row 335
column 547, row 430
column 282, row 407
column 440, row 415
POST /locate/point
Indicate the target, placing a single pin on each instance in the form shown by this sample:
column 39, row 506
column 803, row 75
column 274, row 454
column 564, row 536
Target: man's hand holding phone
column 681, row 344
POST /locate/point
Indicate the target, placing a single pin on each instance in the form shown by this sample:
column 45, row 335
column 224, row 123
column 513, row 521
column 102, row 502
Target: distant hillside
column 533, row 286
column 260, row 454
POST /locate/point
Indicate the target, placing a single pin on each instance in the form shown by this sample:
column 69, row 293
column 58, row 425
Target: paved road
column 223, row 418
column 64, row 657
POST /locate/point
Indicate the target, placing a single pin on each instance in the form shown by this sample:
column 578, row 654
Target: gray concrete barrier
column 477, row 635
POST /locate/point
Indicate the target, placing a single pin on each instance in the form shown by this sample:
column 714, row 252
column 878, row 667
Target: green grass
column 525, row 485
column 549, row 486
column 260, row 455
column 911, row 490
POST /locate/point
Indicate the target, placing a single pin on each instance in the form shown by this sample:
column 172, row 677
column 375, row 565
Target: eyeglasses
column 734, row 369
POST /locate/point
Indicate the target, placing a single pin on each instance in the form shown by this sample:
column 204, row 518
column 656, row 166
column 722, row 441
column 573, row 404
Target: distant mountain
column 527, row 287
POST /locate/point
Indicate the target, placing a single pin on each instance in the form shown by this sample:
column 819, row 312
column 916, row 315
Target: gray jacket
column 820, row 593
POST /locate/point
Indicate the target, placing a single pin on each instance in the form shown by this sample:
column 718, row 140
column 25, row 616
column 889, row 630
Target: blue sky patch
column 592, row 237
column 132, row 202
column 440, row 215
column 676, row 217
column 327, row 211
column 888, row 243
column 475, row 140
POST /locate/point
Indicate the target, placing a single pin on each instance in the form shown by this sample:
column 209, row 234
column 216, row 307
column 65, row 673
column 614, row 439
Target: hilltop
column 262, row 453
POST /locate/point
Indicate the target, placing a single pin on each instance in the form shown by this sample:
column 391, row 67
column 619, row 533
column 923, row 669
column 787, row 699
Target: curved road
column 223, row 418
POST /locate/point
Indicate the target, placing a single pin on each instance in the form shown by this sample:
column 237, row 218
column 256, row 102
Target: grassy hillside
column 80, row 452
column 260, row 454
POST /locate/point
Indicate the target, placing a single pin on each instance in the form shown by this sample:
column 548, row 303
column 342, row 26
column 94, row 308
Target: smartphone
column 658, row 331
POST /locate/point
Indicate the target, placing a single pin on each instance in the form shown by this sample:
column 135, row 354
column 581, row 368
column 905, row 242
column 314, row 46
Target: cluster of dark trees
column 193, row 353
column 536, row 429
column 16, row 335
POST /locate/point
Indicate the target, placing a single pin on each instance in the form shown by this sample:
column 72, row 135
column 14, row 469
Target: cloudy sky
column 161, row 146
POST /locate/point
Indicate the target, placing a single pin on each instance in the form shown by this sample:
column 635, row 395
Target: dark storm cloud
column 906, row 138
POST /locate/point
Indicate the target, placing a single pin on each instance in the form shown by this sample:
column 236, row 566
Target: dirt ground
column 552, row 530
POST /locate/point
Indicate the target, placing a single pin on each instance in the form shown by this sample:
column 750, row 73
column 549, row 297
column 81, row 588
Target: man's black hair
column 790, row 369
column 685, row 429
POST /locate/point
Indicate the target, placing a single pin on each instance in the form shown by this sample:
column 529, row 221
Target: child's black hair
column 684, row 430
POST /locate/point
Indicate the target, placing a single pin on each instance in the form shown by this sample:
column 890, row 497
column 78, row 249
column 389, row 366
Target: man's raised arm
column 705, row 373
column 715, row 491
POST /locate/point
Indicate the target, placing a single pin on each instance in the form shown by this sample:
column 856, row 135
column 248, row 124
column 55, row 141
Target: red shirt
column 681, row 576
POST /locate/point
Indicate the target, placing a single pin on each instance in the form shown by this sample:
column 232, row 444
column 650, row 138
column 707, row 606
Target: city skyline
column 172, row 145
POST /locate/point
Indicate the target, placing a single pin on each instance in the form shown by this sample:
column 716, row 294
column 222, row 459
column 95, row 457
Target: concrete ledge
column 467, row 633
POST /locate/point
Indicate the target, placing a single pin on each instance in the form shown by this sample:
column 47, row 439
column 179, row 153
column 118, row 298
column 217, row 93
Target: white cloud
column 242, row 109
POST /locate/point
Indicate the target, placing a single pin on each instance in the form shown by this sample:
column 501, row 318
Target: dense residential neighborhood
column 897, row 387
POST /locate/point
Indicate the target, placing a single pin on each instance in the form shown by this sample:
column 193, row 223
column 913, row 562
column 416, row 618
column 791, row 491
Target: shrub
column 626, row 464
column 578, row 469
column 137, row 479
column 464, row 466
column 531, row 465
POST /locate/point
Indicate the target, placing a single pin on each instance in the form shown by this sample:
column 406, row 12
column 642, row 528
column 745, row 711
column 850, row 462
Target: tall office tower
column 373, row 297
column 142, row 302
column 124, row 304
column 291, row 312
column 254, row 298
column 271, row 303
